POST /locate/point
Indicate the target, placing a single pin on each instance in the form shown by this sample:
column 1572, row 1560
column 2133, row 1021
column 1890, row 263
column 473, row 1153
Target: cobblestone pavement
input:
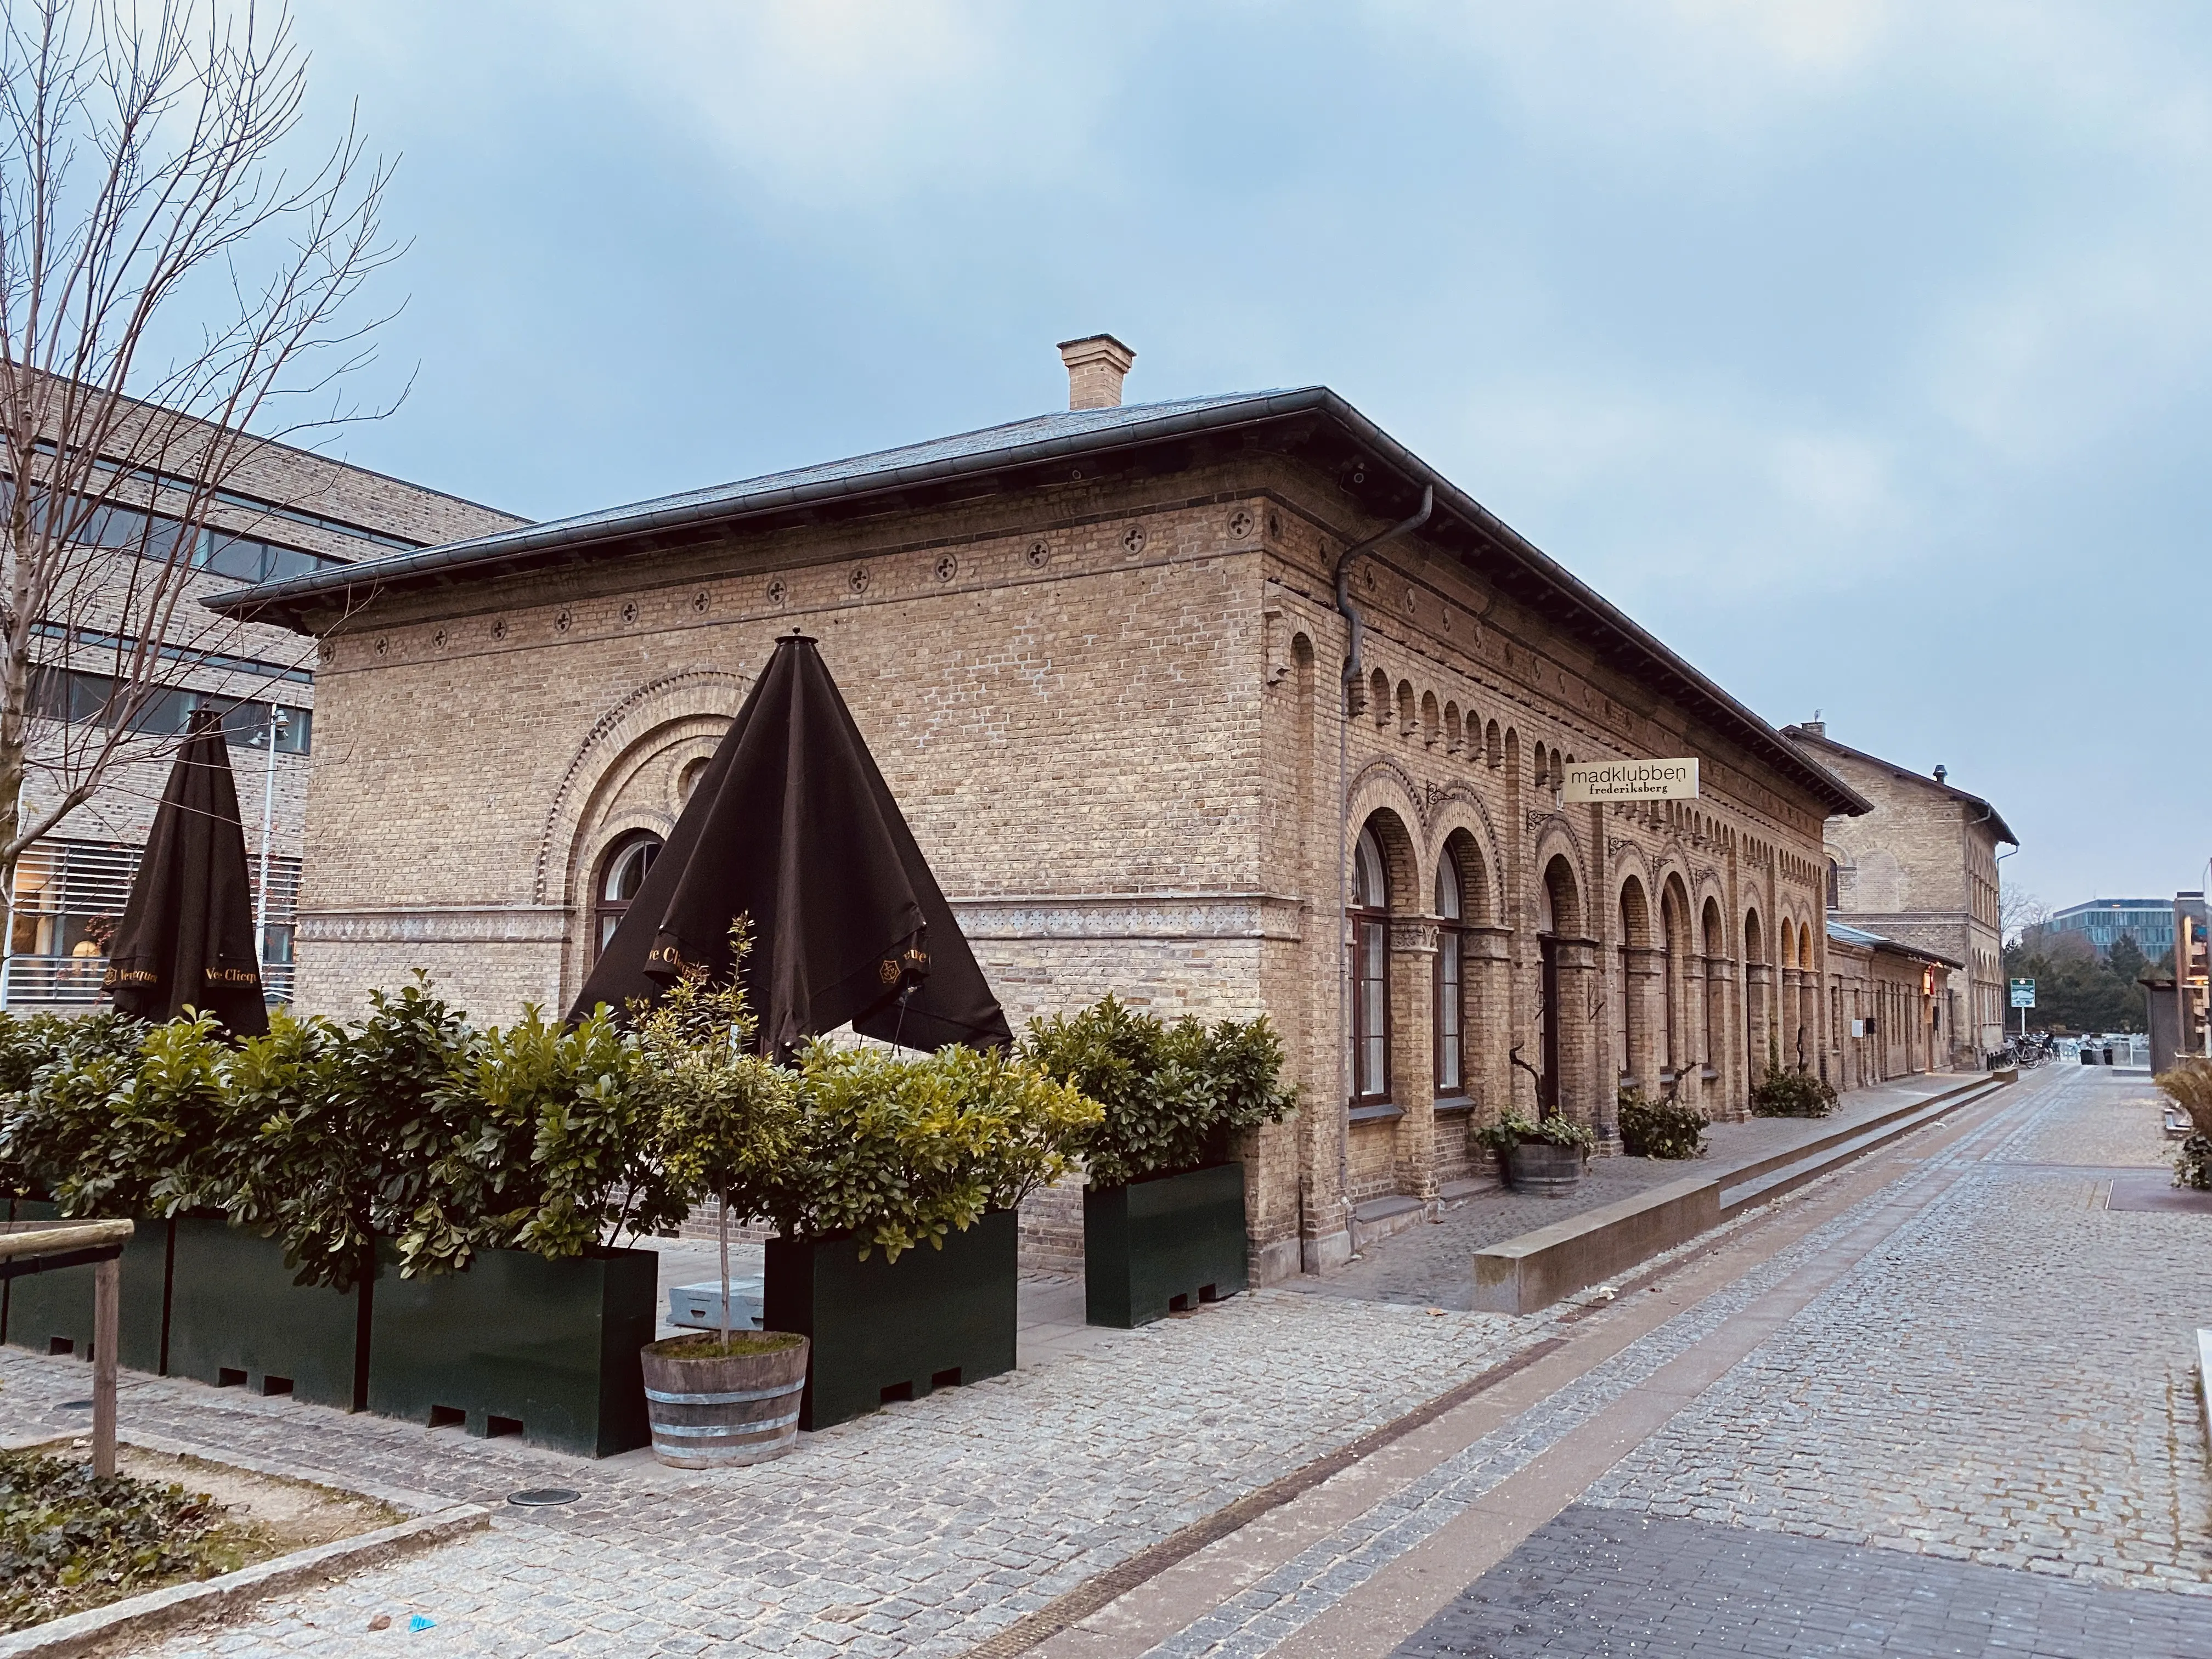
column 1430, row 1264
column 1603, row 1582
column 1997, row 1387
column 919, row 1529
column 2000, row 1381
column 2008, row 1381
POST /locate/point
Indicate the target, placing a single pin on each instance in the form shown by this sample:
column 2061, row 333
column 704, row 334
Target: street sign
column 2023, row 993
column 1648, row 780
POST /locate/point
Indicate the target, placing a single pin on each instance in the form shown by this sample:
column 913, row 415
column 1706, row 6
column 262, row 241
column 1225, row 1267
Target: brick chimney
column 1096, row 365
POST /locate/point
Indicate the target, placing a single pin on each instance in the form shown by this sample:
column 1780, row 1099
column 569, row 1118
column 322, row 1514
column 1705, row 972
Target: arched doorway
column 1754, row 997
column 1631, row 1017
column 1561, row 918
column 622, row 872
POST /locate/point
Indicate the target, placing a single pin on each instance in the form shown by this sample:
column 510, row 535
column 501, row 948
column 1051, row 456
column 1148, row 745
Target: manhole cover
column 538, row 1497
column 74, row 1405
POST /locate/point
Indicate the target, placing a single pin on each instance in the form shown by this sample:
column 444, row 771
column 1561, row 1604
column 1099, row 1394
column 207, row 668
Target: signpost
column 1647, row 780
column 2023, row 998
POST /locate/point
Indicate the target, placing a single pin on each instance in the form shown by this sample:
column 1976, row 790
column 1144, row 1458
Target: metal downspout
column 1350, row 612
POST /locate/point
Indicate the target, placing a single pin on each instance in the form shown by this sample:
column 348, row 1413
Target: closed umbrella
column 792, row 825
column 187, row 934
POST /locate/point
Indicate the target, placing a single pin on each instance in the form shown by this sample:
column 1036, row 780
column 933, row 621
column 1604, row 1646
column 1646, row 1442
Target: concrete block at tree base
column 1536, row 1269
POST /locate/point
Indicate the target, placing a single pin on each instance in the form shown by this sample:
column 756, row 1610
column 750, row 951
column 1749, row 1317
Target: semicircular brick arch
column 690, row 696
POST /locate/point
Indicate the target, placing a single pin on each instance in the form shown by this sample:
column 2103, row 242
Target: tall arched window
column 1370, row 916
column 622, row 872
column 1451, row 1065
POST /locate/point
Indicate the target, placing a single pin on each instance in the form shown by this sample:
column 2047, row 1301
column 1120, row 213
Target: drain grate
column 541, row 1497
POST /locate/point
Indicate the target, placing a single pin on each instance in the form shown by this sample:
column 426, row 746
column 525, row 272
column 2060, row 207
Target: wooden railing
column 47, row 1247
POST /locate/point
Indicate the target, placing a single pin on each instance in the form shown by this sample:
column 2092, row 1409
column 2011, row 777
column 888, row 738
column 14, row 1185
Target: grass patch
column 743, row 1345
column 70, row 1540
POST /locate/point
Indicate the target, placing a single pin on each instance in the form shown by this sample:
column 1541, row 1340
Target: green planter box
column 237, row 1319
column 894, row 1330
column 519, row 1345
column 1161, row 1244
column 51, row 1312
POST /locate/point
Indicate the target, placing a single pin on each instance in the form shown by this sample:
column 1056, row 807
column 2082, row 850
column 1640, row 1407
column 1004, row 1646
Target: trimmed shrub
column 1171, row 1096
column 1661, row 1128
column 899, row 1151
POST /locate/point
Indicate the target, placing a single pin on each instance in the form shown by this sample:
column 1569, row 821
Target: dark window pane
column 298, row 735
column 237, row 557
column 285, row 562
column 91, row 696
column 162, row 712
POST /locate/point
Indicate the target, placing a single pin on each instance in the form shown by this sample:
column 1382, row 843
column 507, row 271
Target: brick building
column 1921, row 869
column 1097, row 655
column 1887, row 1005
column 285, row 512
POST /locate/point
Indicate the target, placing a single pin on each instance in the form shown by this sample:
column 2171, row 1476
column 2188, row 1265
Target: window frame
column 1450, row 998
column 607, row 912
column 1370, row 945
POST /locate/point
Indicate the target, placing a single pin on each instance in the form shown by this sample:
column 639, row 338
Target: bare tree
column 2020, row 914
column 164, row 285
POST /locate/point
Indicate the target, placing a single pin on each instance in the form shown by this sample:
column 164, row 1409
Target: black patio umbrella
column 792, row 825
column 187, row 933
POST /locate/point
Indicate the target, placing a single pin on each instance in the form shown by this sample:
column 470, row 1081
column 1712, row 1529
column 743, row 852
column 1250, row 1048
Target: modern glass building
column 2103, row 921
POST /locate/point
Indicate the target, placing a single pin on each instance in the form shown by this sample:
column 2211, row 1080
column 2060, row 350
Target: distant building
column 2101, row 921
column 1885, row 1003
column 285, row 512
column 1920, row 870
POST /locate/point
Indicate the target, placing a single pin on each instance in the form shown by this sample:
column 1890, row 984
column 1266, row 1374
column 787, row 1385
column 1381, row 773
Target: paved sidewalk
column 1949, row 1361
column 1431, row 1264
column 1756, row 1400
column 2008, row 1383
column 917, row 1530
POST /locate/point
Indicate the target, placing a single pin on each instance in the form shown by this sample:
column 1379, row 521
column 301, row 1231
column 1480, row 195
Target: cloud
column 1643, row 492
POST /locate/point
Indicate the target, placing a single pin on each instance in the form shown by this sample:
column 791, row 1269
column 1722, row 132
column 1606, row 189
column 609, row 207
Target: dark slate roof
column 1859, row 936
column 1804, row 736
column 1311, row 423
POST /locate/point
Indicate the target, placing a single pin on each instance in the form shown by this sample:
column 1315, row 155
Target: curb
column 1530, row 1272
column 138, row 1617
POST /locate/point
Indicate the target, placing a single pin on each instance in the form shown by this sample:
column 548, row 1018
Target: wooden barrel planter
column 1538, row 1167
column 712, row 1410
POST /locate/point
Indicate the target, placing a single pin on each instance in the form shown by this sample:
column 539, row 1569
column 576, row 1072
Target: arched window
column 1451, row 1007
column 622, row 872
column 1370, row 916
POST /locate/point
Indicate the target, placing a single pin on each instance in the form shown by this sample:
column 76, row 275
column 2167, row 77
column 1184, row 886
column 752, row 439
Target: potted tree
column 1164, row 1202
column 720, row 1399
column 1543, row 1155
column 2189, row 1086
column 895, row 1252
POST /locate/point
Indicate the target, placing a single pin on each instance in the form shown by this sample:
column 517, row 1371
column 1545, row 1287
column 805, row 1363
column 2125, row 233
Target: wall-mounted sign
column 2023, row 993
column 1645, row 779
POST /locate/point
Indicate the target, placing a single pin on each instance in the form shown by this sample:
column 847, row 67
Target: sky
column 1859, row 350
